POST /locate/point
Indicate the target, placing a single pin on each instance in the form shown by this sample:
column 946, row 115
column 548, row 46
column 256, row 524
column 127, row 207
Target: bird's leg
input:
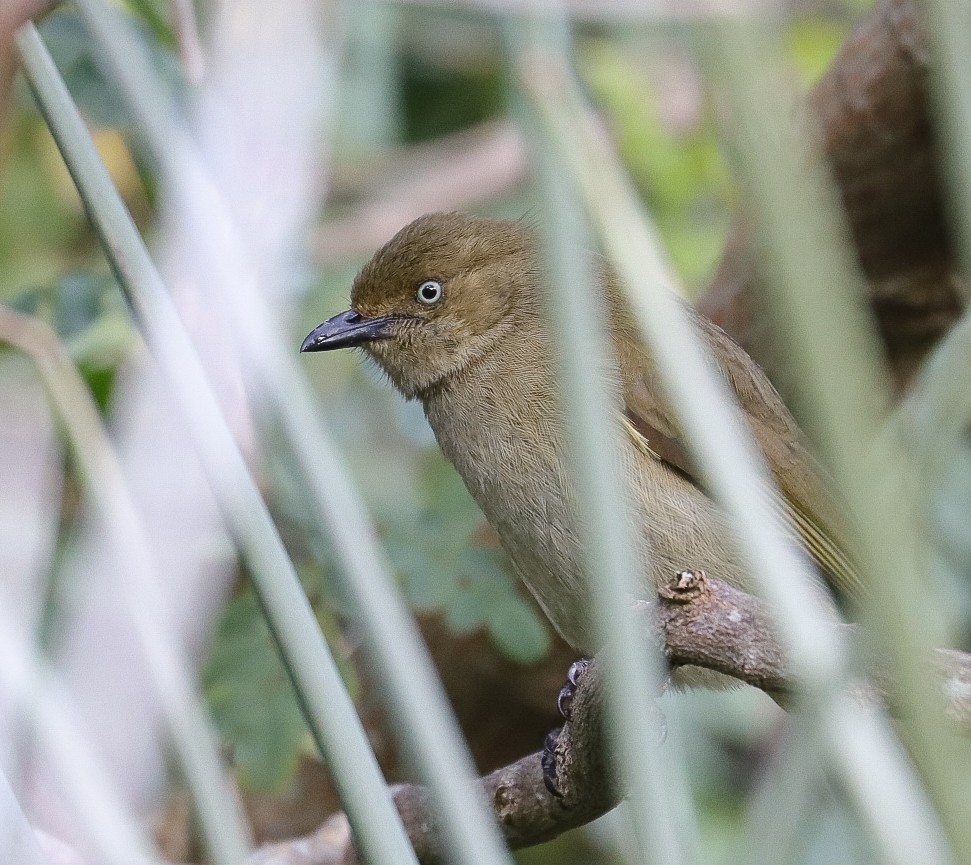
column 564, row 703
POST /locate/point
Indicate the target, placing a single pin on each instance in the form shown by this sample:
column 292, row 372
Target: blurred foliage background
column 413, row 77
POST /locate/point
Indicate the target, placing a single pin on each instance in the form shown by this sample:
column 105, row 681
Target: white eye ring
column 429, row 292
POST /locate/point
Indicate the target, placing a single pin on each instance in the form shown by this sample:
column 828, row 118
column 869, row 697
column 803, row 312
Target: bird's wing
column 802, row 501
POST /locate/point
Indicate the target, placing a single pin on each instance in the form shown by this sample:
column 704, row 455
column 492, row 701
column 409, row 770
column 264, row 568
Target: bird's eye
column 429, row 292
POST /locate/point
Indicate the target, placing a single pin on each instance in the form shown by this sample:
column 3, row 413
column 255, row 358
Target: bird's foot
column 564, row 703
column 548, row 762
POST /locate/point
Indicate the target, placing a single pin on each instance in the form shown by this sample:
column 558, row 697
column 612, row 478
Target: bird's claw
column 548, row 762
column 564, row 702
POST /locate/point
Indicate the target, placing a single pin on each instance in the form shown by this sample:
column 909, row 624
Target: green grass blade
column 31, row 688
column 222, row 822
column 327, row 705
column 874, row 771
column 817, row 299
column 578, row 328
column 419, row 707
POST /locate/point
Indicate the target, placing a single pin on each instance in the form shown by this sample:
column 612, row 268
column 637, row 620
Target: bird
column 452, row 309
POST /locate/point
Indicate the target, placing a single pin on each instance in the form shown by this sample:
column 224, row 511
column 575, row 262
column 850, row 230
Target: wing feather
column 805, row 507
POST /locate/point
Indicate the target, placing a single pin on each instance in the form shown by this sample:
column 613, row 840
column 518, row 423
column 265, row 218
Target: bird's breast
column 509, row 452
column 506, row 441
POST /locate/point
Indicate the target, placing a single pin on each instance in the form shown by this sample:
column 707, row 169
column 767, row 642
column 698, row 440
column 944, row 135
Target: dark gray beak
column 346, row 330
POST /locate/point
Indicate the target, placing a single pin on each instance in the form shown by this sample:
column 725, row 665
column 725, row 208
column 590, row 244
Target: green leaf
column 70, row 44
column 518, row 631
column 74, row 53
column 251, row 699
column 678, row 168
column 465, row 614
column 813, row 43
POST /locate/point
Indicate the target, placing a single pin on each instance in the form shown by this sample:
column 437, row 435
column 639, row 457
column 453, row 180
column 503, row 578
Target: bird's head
column 438, row 295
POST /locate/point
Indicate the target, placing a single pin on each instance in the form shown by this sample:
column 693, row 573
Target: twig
column 456, row 172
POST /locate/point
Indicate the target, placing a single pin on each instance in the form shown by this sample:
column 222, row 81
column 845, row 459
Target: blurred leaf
column 87, row 312
column 445, row 567
column 73, row 52
column 465, row 613
column 675, row 163
column 101, row 381
column 78, row 300
column 438, row 101
column 518, row 631
column 105, row 342
column 37, row 234
column 813, row 42
column 155, row 13
column 251, row 698
column 424, row 586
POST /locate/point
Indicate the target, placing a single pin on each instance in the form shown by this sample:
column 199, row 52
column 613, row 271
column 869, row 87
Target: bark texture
column 874, row 116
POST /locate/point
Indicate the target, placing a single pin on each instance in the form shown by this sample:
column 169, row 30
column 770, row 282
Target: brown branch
column 874, row 118
column 703, row 622
column 453, row 173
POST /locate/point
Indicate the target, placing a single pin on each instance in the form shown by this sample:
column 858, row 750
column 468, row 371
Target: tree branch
column 703, row 622
column 874, row 118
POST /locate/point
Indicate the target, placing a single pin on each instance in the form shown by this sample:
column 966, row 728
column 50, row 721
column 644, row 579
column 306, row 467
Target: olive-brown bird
column 451, row 309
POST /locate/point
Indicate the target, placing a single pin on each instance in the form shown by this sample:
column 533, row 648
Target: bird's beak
column 346, row 330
